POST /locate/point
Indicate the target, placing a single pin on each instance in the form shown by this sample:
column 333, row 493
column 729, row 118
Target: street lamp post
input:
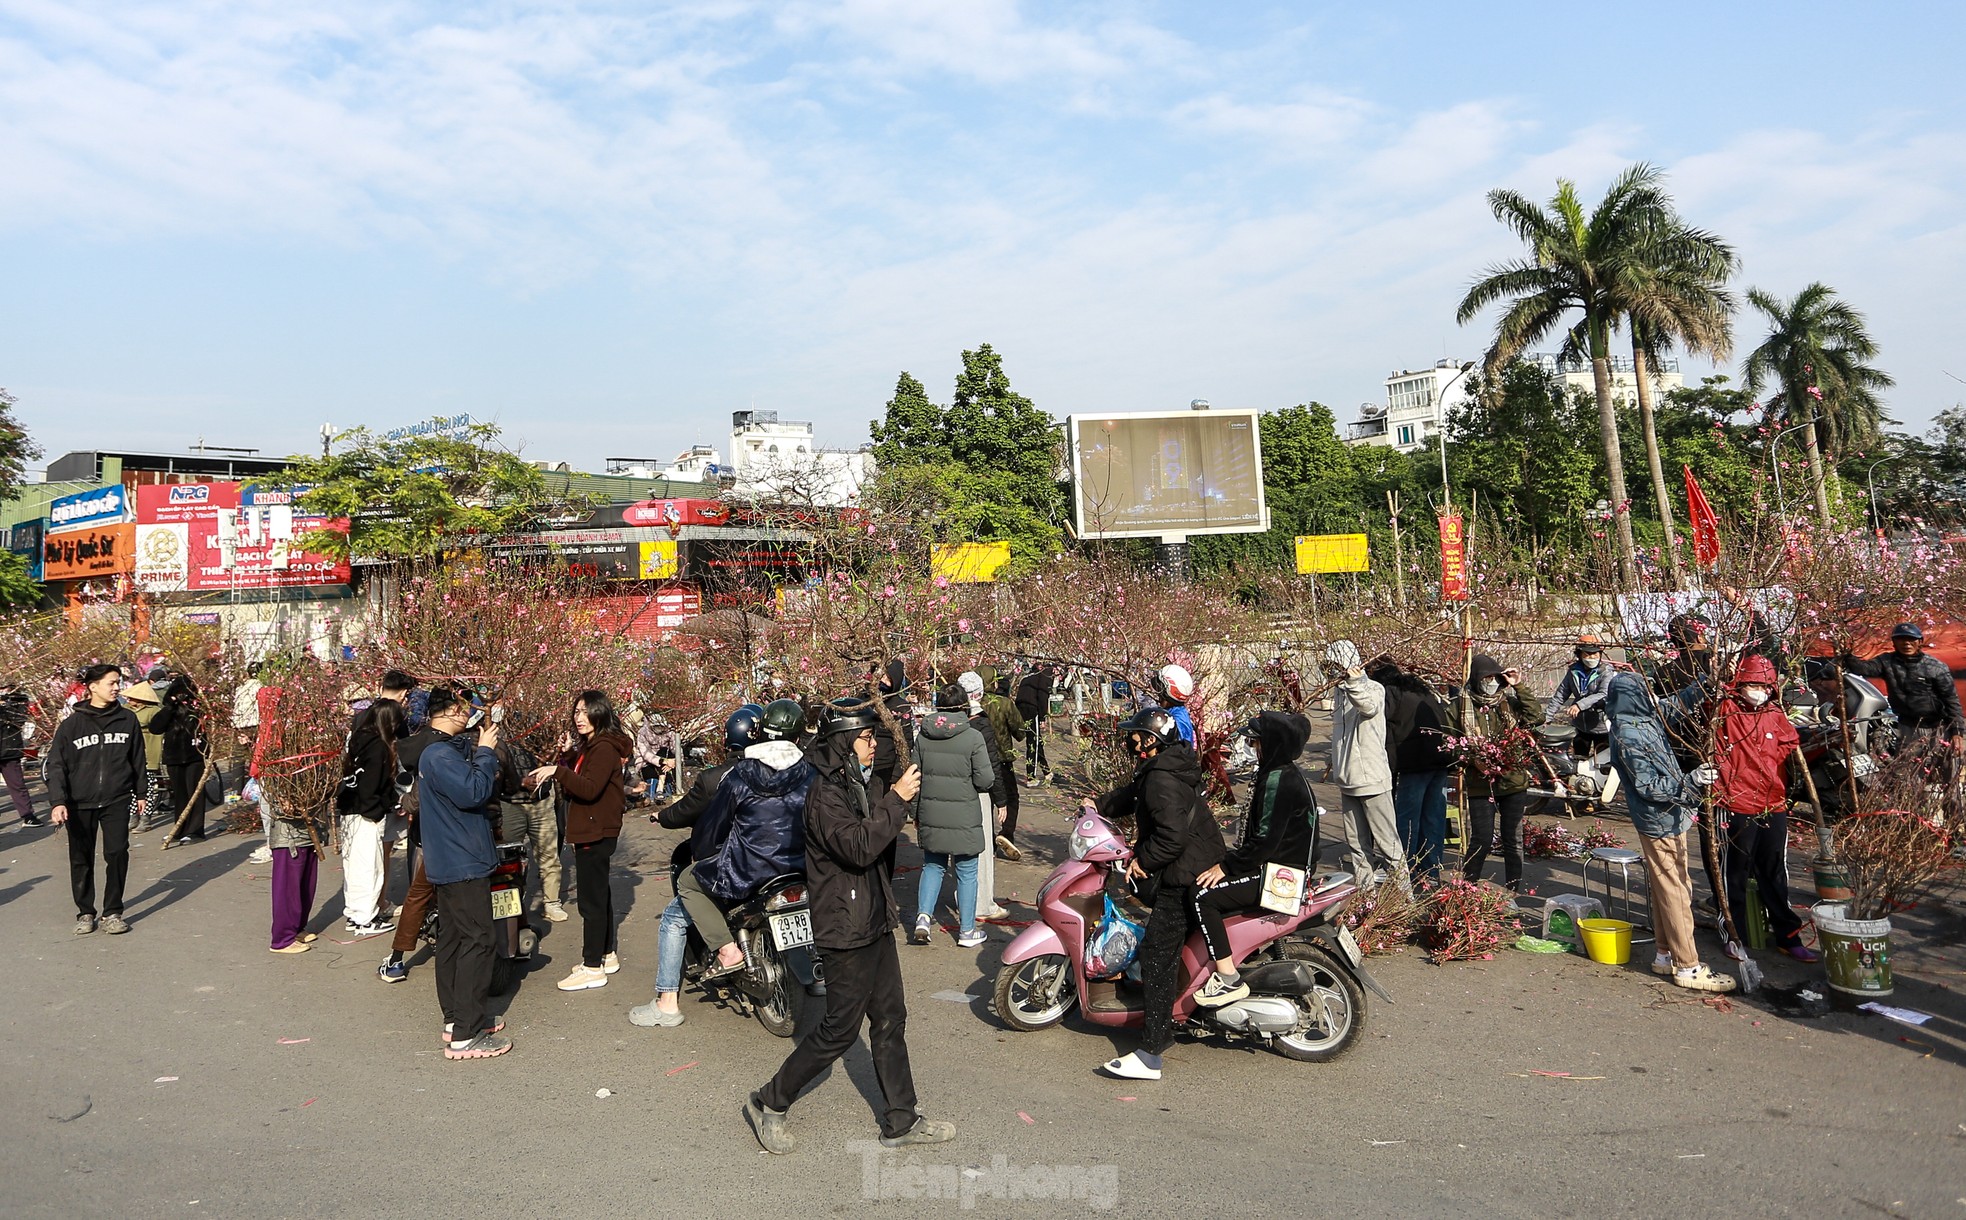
column 1775, row 465
column 327, row 437
column 1440, row 404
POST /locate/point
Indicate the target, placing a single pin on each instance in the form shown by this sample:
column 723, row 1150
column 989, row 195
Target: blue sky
column 607, row 226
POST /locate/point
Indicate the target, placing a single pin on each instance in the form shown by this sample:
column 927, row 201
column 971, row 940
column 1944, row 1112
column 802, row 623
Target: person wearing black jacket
column 364, row 801
column 853, row 821
column 1919, row 686
column 1033, row 702
column 95, row 777
column 1416, row 731
column 181, row 723
column 1178, row 841
column 1280, row 828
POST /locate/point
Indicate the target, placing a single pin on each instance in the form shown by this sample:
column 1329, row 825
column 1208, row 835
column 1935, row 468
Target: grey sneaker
column 970, row 939
column 114, row 925
column 925, row 1131
column 648, row 1016
column 484, row 1046
column 84, row 924
column 769, row 1126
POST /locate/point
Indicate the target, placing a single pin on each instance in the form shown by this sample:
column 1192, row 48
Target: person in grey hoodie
column 1361, row 769
column 956, row 767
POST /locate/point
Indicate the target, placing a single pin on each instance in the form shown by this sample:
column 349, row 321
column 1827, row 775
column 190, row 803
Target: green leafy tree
column 1514, row 442
column 1696, row 429
column 420, row 495
column 16, row 448
column 1573, row 267
column 18, row 590
column 1818, row 352
column 982, row 469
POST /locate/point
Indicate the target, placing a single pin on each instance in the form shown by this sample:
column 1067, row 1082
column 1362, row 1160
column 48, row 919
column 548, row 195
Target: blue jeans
column 1420, row 808
column 934, row 864
column 671, row 942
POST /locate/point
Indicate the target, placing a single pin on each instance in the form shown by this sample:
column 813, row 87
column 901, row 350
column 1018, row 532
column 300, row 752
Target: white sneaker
column 556, row 913
column 584, row 978
column 610, row 964
column 996, row 912
column 261, row 855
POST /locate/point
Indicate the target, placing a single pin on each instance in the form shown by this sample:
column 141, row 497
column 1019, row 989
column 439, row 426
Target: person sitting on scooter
column 1177, row 840
column 1580, row 696
column 743, row 729
column 1280, row 828
column 754, row 830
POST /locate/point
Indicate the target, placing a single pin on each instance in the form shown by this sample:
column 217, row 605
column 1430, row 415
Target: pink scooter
column 1305, row 996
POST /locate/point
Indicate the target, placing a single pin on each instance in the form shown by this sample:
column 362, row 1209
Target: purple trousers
column 16, row 783
column 294, row 871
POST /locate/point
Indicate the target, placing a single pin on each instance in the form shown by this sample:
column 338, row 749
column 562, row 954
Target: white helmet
column 1176, row 682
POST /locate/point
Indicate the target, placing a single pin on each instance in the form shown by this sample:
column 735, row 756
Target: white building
column 1417, row 401
column 777, row 459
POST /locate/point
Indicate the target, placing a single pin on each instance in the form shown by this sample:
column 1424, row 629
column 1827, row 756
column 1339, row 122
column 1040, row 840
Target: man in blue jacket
column 457, row 786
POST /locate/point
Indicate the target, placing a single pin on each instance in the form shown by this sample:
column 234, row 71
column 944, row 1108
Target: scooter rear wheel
column 1037, row 993
column 1343, row 1003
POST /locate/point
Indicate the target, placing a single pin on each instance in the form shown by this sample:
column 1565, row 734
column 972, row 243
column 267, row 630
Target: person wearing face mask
column 1580, row 697
column 1492, row 703
column 1362, row 770
column 1753, row 742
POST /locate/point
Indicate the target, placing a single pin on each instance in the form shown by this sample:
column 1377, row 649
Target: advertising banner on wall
column 25, row 540
column 89, row 509
column 215, row 537
column 85, row 554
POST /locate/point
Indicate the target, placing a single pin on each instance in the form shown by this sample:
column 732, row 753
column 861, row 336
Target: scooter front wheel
column 1037, row 993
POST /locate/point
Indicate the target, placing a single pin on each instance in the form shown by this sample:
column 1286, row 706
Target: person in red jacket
column 1753, row 742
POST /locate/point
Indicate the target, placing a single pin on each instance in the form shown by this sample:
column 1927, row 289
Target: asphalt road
column 182, row 1070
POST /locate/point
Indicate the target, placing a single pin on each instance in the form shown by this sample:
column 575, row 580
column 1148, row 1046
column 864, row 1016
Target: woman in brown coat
column 590, row 773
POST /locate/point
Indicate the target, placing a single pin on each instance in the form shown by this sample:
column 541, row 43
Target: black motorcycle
column 781, row 968
column 513, row 938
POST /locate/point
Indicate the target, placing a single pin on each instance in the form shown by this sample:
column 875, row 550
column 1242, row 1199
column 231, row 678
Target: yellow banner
column 1333, row 553
column 969, row 563
column 658, row 560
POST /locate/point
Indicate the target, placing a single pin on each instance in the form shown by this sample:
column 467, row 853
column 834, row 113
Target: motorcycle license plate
column 1863, row 766
column 506, row 904
column 792, row 930
column 1350, row 943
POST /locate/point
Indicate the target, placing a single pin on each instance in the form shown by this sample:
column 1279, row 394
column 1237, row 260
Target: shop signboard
column 217, row 537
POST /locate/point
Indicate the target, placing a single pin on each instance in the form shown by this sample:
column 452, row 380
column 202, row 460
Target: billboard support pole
column 1171, row 555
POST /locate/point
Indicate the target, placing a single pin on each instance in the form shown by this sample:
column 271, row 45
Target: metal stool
column 1623, row 858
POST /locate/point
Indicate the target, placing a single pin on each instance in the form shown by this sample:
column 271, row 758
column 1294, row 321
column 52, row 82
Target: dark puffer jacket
column 1281, row 825
column 685, row 813
column 1920, row 689
column 1178, row 838
column 851, row 829
column 14, row 710
column 754, row 829
column 956, row 767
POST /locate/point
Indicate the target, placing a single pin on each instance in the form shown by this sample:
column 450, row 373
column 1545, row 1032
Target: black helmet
column 848, row 715
column 783, row 720
column 1157, row 723
column 745, row 727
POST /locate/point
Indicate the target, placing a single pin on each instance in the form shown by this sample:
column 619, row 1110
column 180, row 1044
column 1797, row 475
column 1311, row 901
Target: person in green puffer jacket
column 1494, row 702
column 956, row 767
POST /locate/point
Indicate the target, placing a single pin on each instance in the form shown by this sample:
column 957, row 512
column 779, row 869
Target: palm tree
column 1818, row 348
column 1574, row 263
column 1673, row 292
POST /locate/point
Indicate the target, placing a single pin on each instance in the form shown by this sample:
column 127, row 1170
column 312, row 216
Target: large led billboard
column 1167, row 473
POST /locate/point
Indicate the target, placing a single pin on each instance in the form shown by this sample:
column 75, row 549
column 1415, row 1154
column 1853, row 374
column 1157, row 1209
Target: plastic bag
column 1113, row 945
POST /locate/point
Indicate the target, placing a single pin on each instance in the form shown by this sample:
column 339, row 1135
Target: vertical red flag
column 1453, row 559
column 1706, row 527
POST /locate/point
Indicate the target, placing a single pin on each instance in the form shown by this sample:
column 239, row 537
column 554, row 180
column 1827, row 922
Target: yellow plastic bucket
column 1607, row 940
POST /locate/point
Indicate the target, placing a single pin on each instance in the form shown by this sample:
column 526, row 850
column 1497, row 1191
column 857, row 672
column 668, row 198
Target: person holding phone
column 592, row 776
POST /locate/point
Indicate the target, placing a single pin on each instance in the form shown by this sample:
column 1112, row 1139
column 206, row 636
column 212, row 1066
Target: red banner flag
column 1706, row 527
column 1453, row 559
